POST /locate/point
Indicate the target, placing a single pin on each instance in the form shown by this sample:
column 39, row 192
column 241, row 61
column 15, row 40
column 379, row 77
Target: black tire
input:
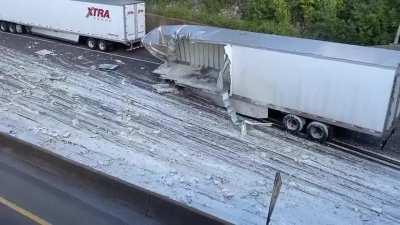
column 318, row 132
column 12, row 28
column 104, row 46
column 27, row 29
column 4, row 26
column 20, row 29
column 293, row 124
column 91, row 43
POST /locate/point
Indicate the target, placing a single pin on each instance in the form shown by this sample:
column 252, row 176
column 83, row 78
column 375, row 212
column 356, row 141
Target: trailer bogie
column 315, row 130
column 12, row 27
column 98, row 44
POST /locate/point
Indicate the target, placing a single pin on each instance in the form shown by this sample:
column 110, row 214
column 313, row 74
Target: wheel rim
column 102, row 46
column 12, row 29
column 91, row 44
column 3, row 27
column 317, row 133
column 292, row 125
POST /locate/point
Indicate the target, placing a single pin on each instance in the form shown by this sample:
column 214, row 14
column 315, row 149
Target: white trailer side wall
column 66, row 15
column 339, row 91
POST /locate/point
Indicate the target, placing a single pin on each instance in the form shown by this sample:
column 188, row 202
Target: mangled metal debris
column 199, row 64
column 165, row 88
column 107, row 67
column 45, row 52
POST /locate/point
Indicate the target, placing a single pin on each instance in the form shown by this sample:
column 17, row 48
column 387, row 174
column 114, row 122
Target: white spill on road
column 45, row 52
column 187, row 151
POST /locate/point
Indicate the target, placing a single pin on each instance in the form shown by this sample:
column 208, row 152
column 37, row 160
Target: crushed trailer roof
column 314, row 48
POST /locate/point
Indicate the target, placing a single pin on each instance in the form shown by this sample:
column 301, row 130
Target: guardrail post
column 274, row 197
column 397, row 38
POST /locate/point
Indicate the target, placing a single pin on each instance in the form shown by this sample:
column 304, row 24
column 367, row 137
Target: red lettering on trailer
column 99, row 13
column 90, row 12
column 107, row 14
column 95, row 11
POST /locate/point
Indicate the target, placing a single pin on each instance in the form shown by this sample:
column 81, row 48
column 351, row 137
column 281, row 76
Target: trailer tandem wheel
column 20, row 29
column 4, row 26
column 103, row 45
column 12, row 27
column 318, row 131
column 91, row 43
column 293, row 123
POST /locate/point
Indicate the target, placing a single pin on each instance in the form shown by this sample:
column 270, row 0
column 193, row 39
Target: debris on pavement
column 165, row 88
column 108, row 67
column 45, row 52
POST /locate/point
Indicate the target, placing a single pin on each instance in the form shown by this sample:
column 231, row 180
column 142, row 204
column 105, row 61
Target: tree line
column 366, row 22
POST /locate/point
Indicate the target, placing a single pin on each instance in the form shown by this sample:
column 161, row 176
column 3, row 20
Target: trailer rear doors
column 135, row 26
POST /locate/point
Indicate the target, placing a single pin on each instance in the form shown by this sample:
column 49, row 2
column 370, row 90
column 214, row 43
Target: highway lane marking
column 23, row 212
column 78, row 47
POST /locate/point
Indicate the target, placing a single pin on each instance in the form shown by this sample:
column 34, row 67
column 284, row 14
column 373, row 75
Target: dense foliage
column 369, row 22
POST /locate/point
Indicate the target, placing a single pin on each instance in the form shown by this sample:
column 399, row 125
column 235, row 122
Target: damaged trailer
column 317, row 86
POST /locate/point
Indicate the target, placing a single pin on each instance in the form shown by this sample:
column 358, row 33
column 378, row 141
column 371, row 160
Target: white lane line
column 81, row 48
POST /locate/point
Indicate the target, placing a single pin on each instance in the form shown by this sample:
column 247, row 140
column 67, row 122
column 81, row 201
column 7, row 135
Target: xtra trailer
column 97, row 22
column 317, row 86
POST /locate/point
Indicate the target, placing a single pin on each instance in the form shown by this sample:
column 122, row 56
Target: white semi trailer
column 97, row 22
column 316, row 85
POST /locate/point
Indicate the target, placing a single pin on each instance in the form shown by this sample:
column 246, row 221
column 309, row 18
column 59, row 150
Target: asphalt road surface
column 39, row 188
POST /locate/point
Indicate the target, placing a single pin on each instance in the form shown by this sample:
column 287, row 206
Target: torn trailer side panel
column 347, row 86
